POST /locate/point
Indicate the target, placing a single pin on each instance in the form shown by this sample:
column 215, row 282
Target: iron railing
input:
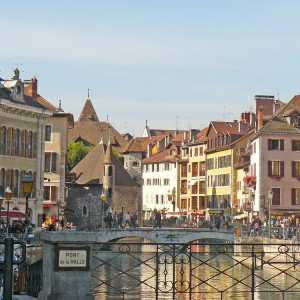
column 34, row 280
column 196, row 271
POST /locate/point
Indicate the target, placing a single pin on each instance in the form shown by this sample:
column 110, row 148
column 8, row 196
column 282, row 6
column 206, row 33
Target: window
column 296, row 169
column 3, row 140
column 276, row 168
column 196, row 151
column 296, row 196
column 84, row 211
column 30, row 145
column 48, row 131
column 275, row 145
column 295, row 145
column 47, row 192
column 135, row 164
column 110, row 171
column 50, row 162
column 276, row 196
column 167, row 167
column 156, row 198
column 162, row 199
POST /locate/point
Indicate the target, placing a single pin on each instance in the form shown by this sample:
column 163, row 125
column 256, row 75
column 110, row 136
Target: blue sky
column 174, row 63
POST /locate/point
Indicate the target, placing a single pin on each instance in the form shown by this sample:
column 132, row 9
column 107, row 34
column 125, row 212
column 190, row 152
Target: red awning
column 12, row 214
column 48, row 205
column 197, row 212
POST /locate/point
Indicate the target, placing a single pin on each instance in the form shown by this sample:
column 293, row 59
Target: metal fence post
column 8, row 268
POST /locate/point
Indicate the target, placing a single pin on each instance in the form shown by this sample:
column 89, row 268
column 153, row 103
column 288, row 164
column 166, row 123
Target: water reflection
column 202, row 272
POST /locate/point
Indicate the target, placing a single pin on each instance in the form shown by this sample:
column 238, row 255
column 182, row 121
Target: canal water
column 140, row 272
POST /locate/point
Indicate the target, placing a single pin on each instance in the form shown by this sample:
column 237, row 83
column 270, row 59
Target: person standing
column 62, row 223
column 158, row 219
column 127, row 220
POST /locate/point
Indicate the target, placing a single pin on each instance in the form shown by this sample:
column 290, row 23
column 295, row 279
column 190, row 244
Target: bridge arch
column 162, row 236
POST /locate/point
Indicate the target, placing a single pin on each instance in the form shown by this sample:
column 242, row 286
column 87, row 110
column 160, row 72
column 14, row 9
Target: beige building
column 22, row 134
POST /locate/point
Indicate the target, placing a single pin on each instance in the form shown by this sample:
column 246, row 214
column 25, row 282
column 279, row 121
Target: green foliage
column 117, row 155
column 76, row 152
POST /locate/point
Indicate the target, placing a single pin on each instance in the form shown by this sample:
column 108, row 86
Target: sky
column 176, row 64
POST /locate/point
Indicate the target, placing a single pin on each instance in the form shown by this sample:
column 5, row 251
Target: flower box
column 276, row 177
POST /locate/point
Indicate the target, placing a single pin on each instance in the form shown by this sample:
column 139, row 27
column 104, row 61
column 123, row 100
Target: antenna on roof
column 107, row 118
column 108, row 134
column 88, row 93
column 224, row 113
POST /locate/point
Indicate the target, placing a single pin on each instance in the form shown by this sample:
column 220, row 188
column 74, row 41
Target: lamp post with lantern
column 248, row 210
column 27, row 183
column 1, row 202
column 270, row 197
column 8, row 195
column 58, row 203
column 171, row 198
column 89, row 199
column 103, row 199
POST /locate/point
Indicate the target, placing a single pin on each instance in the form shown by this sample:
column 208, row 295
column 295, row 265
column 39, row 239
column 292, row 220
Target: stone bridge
column 159, row 236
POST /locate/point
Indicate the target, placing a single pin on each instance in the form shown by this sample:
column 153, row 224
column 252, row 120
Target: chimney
column 276, row 106
column 149, row 150
column 31, row 88
column 260, row 118
column 243, row 126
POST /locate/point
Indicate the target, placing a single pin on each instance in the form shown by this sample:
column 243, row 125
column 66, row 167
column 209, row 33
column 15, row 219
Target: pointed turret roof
column 88, row 113
column 90, row 130
column 108, row 154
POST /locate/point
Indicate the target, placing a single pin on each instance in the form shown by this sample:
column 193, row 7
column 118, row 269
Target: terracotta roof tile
column 88, row 113
column 163, row 156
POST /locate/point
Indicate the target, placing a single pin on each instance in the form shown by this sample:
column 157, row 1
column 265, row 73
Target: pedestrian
column 62, row 223
column 158, row 219
column 135, row 219
column 127, row 220
column 109, row 220
column 217, row 222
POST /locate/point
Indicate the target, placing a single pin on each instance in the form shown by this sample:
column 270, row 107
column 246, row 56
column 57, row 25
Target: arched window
column 3, row 140
column 18, row 142
column 30, row 145
column 2, row 181
column 16, row 183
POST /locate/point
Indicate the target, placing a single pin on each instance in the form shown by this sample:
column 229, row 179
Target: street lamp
column 27, row 183
column 89, row 199
column 103, row 199
column 171, row 198
column 270, row 197
column 252, row 204
column 1, row 202
column 58, row 203
column 8, row 195
column 248, row 210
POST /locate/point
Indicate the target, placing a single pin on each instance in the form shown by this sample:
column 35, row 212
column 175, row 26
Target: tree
column 76, row 152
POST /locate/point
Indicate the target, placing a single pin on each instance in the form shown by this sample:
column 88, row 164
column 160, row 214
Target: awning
column 192, row 182
column 12, row 214
column 241, row 216
column 197, row 212
column 48, row 205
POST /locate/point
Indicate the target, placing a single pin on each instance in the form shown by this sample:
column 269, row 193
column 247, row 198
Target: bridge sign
column 70, row 259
